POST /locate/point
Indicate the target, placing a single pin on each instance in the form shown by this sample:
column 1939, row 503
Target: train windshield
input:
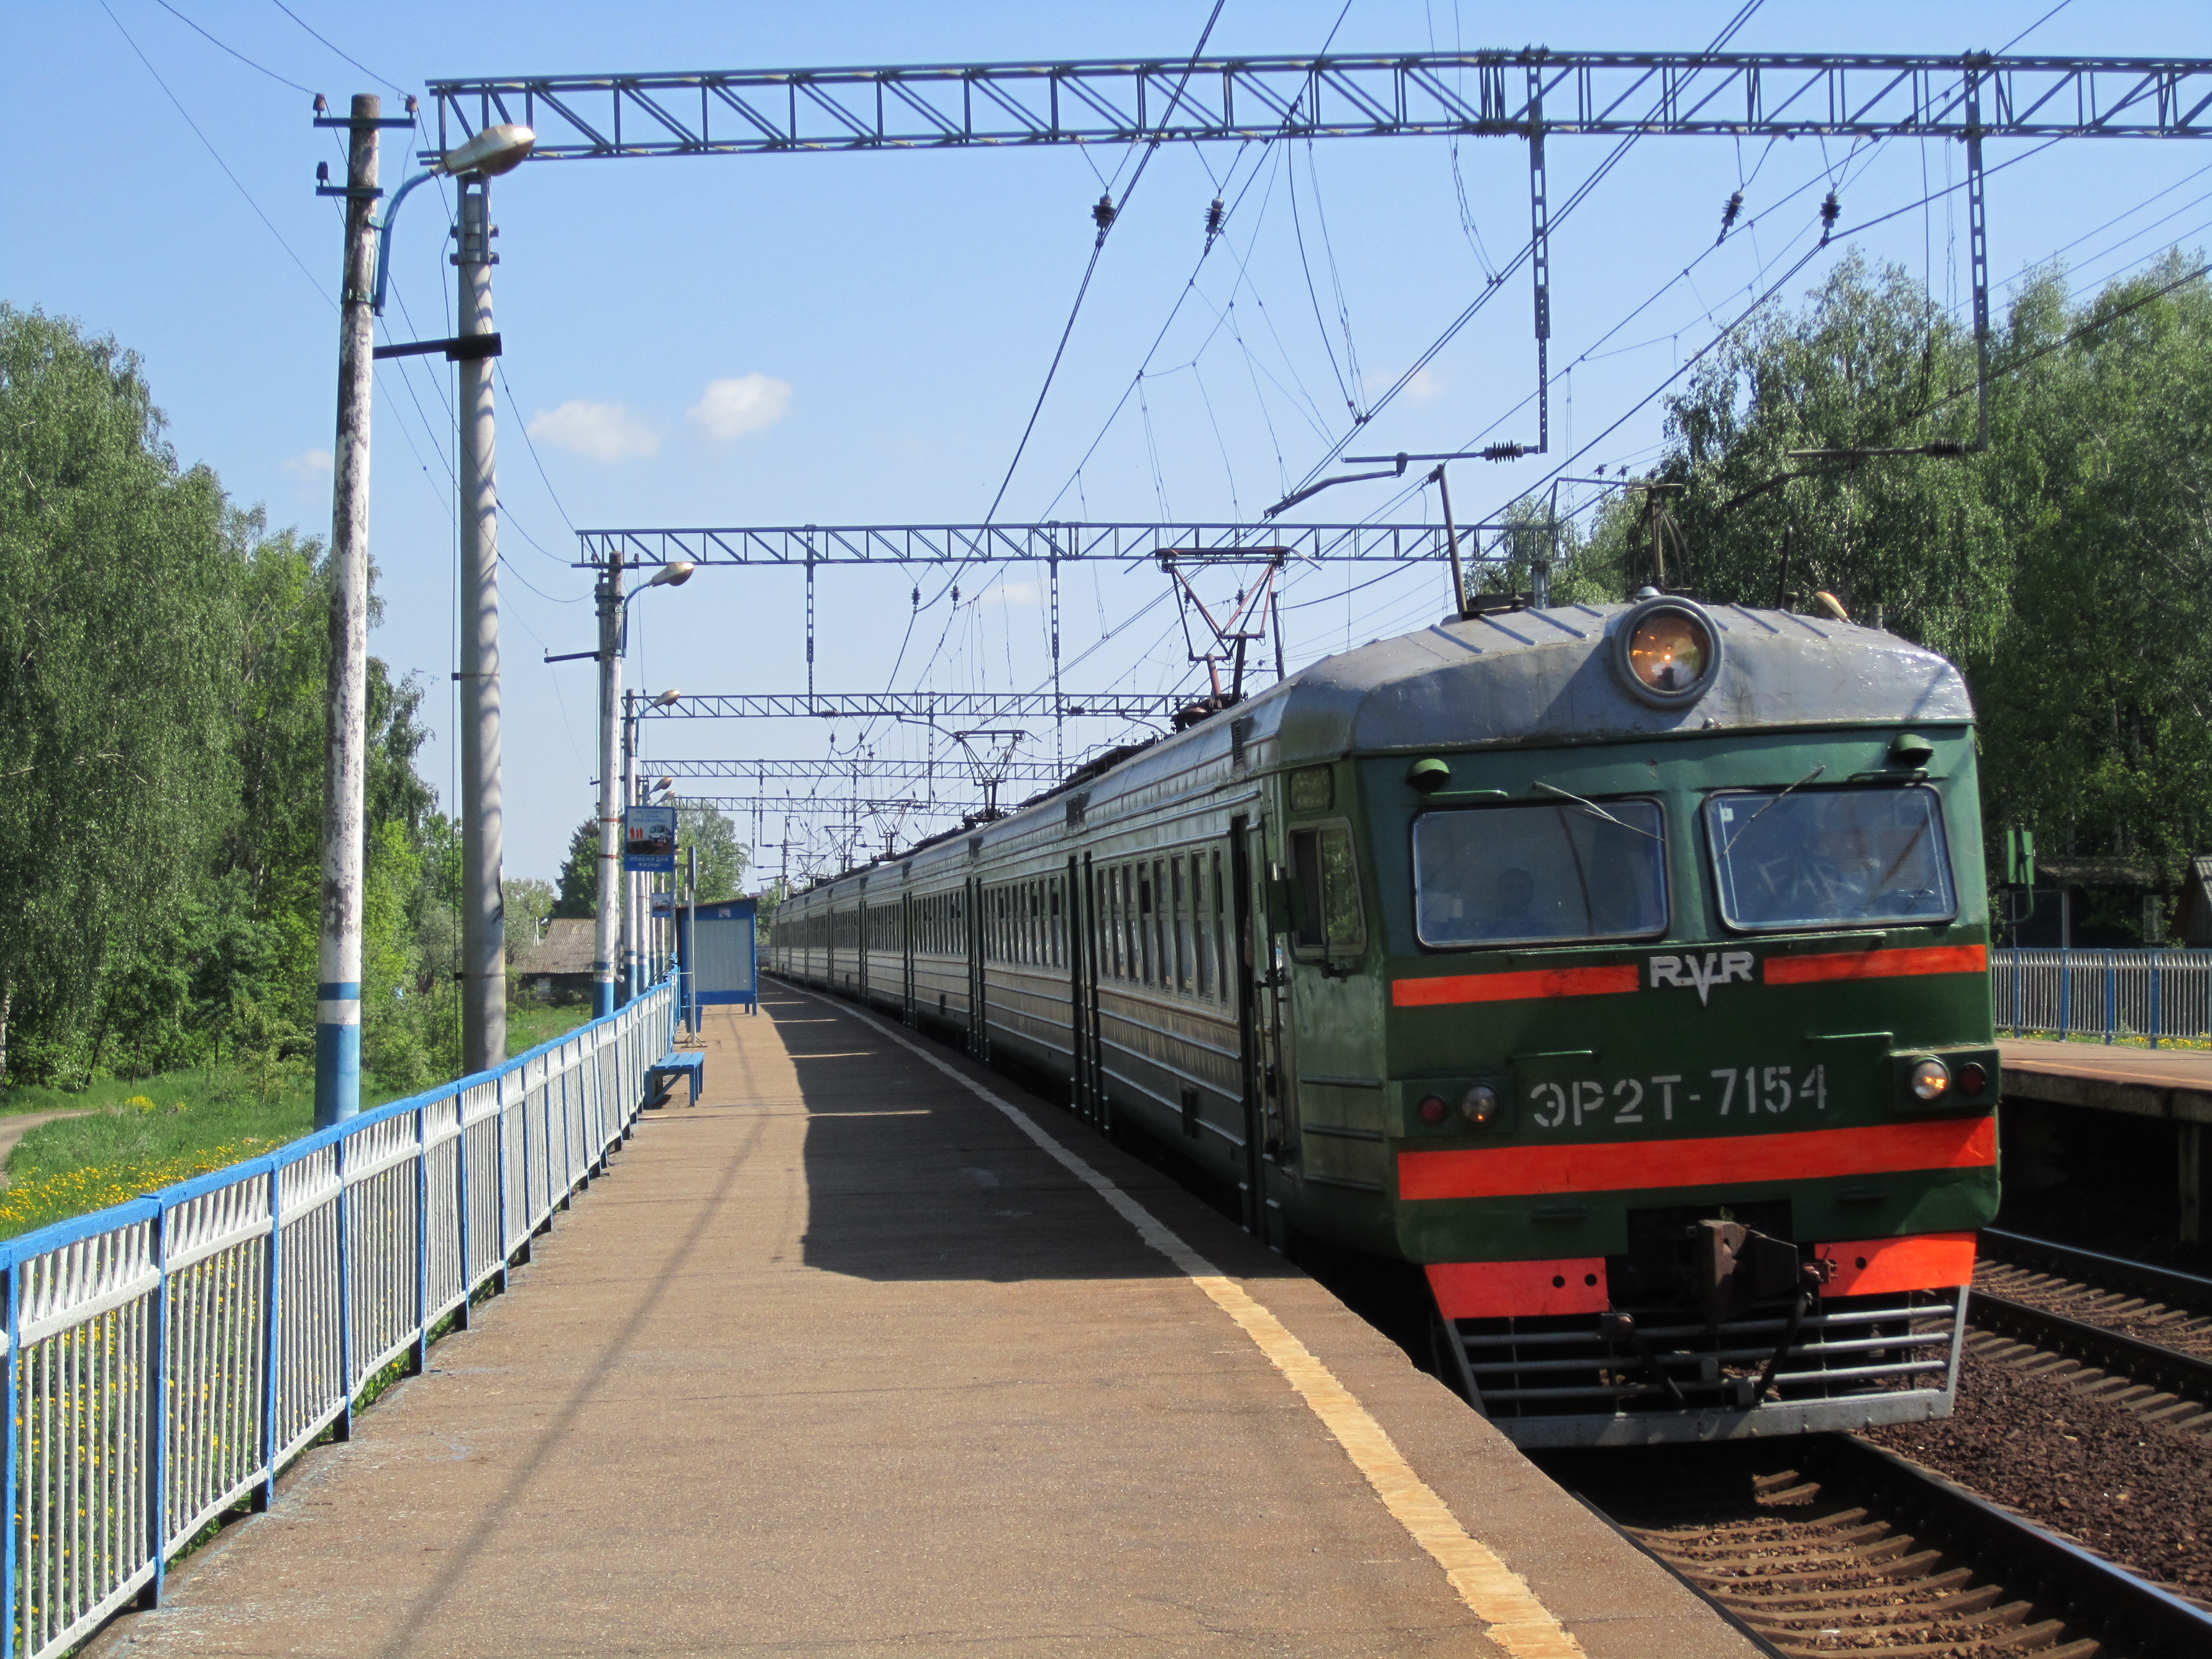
column 1830, row 857
column 1522, row 875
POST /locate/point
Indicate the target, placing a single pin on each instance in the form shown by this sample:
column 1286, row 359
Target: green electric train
column 1624, row 967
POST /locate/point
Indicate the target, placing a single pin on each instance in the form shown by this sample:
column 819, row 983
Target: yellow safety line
column 1493, row 1591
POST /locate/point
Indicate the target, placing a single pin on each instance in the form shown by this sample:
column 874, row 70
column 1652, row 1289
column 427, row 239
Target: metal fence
column 2157, row 994
column 168, row 1357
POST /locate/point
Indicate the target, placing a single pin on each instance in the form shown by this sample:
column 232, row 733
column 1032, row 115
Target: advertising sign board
column 649, row 840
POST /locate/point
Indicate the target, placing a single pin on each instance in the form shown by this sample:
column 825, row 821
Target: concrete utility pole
column 337, row 991
column 610, row 826
column 630, row 883
column 484, row 916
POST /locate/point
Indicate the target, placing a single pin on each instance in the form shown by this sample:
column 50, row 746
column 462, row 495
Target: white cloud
column 730, row 409
column 1425, row 386
column 310, row 464
column 598, row 432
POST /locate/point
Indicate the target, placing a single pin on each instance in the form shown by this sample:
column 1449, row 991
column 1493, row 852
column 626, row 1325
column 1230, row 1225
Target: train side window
column 1162, row 926
column 1180, row 866
column 1328, row 921
column 1201, row 930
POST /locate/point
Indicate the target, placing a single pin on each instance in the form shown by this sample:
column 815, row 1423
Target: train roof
column 1523, row 678
column 1539, row 677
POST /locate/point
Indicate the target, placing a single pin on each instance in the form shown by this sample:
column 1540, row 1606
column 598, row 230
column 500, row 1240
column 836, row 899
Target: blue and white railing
column 2157, row 994
column 165, row 1358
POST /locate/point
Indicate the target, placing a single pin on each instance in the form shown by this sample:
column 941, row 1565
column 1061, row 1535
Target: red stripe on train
column 1514, row 987
column 1878, row 964
column 1710, row 1161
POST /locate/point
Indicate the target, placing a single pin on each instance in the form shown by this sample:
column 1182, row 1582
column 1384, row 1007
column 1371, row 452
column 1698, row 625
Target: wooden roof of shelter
column 565, row 949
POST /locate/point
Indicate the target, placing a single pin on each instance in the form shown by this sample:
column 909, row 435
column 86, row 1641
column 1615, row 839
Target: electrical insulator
column 1103, row 213
column 322, row 172
column 917, row 598
column 1728, row 216
column 1214, row 217
column 322, row 104
column 1831, row 209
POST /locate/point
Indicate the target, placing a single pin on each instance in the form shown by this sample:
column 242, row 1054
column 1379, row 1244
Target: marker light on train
column 1668, row 650
column 1931, row 1079
column 1972, row 1079
column 1432, row 1109
column 1479, row 1105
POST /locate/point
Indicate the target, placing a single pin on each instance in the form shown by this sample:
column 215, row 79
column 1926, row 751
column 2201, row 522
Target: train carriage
column 1624, row 967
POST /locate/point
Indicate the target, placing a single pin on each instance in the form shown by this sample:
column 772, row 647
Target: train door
column 979, row 1041
column 1078, row 957
column 1257, row 1018
column 906, row 957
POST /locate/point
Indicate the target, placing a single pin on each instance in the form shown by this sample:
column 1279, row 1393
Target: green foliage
column 118, row 644
column 721, row 858
column 163, row 684
column 2068, row 568
column 577, row 883
column 527, row 902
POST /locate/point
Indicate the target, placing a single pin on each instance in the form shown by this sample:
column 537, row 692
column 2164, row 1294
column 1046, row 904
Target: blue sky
column 840, row 340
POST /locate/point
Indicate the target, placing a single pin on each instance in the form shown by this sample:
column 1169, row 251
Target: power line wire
column 335, row 47
column 234, row 50
column 216, row 153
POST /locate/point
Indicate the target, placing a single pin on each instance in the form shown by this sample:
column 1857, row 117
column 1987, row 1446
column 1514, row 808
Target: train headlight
column 1931, row 1079
column 1480, row 1105
column 1668, row 651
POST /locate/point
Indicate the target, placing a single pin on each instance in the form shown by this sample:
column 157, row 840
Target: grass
column 2120, row 1039
column 133, row 1136
column 529, row 1024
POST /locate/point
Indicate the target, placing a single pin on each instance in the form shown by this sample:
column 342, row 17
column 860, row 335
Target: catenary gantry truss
column 1504, row 94
column 924, row 706
column 760, row 773
column 812, row 546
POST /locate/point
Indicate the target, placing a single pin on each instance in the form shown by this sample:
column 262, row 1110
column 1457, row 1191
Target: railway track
column 2146, row 1331
column 1830, row 1545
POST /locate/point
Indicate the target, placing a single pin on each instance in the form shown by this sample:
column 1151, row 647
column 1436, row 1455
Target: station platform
column 2110, row 1077
column 869, row 1352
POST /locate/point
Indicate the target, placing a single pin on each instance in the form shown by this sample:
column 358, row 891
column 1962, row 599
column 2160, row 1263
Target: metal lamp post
column 614, row 615
column 633, row 909
column 367, row 273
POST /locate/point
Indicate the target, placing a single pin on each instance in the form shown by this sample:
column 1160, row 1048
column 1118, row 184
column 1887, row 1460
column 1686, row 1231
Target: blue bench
column 661, row 1081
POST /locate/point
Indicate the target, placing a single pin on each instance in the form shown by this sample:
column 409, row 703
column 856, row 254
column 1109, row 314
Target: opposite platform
column 868, row 1353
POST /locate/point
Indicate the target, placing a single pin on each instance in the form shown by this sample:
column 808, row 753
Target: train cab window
column 1328, row 917
column 1822, row 857
column 1524, row 875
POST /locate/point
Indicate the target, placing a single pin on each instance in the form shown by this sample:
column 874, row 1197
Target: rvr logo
column 1714, row 968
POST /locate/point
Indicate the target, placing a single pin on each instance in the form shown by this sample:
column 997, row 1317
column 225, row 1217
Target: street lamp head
column 663, row 786
column 668, row 698
column 495, row 150
column 672, row 575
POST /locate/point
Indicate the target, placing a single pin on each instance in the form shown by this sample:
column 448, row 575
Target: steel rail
column 2062, row 1575
column 2110, row 1350
column 1512, row 94
column 2114, row 1273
